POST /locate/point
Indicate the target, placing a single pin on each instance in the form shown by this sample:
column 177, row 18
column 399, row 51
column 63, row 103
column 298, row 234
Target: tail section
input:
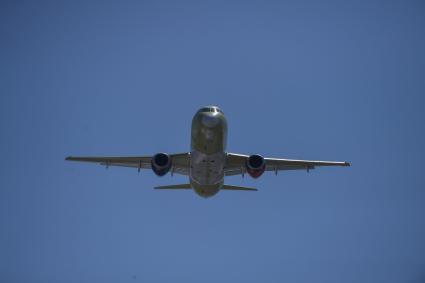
column 237, row 188
column 188, row 187
column 174, row 187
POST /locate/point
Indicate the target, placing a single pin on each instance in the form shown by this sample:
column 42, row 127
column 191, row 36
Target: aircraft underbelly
column 207, row 169
column 207, row 156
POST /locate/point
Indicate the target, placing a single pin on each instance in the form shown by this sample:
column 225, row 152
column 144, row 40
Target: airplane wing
column 235, row 164
column 180, row 162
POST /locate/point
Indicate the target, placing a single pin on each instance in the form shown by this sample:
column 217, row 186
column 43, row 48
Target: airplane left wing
column 180, row 162
column 235, row 164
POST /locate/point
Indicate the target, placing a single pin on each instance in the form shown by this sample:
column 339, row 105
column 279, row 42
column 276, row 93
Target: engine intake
column 161, row 164
column 255, row 165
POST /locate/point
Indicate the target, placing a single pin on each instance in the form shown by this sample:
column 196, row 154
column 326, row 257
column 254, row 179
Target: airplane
column 208, row 163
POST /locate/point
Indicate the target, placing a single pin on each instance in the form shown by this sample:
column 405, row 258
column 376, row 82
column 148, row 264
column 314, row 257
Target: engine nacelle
column 255, row 165
column 161, row 163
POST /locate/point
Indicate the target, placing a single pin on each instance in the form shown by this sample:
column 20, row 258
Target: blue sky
column 329, row 80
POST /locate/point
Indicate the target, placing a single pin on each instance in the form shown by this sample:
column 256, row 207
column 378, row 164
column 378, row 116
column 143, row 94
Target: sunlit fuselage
column 208, row 147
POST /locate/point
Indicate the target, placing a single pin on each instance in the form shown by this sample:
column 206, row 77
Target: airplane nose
column 210, row 120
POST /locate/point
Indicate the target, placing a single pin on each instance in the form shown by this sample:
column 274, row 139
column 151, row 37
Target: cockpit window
column 211, row 109
column 205, row 109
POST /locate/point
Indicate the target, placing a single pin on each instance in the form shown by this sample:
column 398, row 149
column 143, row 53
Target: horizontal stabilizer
column 175, row 187
column 237, row 188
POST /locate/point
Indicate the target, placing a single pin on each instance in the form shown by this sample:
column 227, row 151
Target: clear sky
column 327, row 80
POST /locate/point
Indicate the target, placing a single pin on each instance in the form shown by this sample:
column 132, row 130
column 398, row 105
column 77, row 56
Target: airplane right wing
column 236, row 164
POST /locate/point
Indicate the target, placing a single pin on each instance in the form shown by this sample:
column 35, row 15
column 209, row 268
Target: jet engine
column 161, row 163
column 255, row 165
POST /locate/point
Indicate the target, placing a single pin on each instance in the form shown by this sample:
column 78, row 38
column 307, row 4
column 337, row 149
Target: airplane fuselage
column 208, row 151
